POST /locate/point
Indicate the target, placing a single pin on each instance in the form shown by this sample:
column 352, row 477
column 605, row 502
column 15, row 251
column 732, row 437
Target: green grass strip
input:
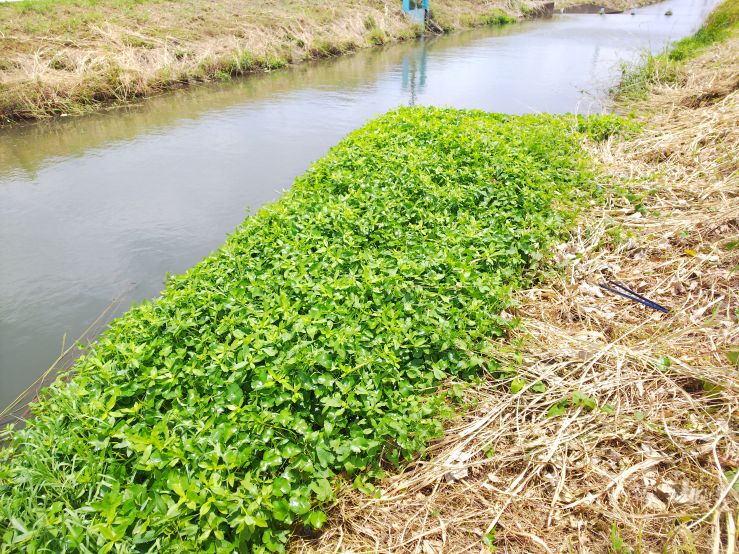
column 637, row 80
column 719, row 26
column 309, row 348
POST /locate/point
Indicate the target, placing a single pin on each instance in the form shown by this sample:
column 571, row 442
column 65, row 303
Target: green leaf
column 517, row 384
column 234, row 394
column 316, row 519
column 281, row 486
column 177, row 482
column 323, row 489
column 583, row 400
column 324, row 359
column 558, row 409
column 299, row 505
column 324, row 456
column 270, row 459
column 281, row 510
column 489, row 541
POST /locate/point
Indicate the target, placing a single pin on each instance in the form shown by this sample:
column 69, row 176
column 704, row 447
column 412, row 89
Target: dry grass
column 649, row 467
column 71, row 56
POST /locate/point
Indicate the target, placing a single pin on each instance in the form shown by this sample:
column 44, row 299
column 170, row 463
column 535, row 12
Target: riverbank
column 311, row 348
column 67, row 57
column 616, row 429
column 366, row 276
column 70, row 57
column 610, row 6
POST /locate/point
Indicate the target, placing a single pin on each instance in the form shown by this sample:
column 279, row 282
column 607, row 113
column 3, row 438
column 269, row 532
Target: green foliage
column 272, row 62
column 517, row 385
column 606, row 126
column 377, row 36
column 638, row 79
column 324, row 48
column 244, row 61
column 577, row 400
column 308, row 348
column 499, row 18
column 490, row 542
column 494, row 18
column 730, row 476
column 732, row 353
column 370, row 22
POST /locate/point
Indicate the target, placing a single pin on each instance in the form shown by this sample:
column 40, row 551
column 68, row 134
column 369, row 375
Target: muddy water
column 104, row 206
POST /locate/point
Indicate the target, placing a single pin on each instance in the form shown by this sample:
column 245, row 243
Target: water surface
column 104, row 206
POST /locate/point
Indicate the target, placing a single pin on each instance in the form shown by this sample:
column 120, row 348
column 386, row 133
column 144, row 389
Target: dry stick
column 718, row 503
column 646, row 464
column 518, row 484
column 533, row 538
column 473, row 430
column 426, row 515
column 515, row 488
column 443, row 531
column 730, row 533
column 716, row 546
column 470, row 547
column 719, row 467
column 341, row 539
column 419, row 536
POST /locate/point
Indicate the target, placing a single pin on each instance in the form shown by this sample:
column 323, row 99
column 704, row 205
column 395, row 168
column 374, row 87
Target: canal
column 98, row 209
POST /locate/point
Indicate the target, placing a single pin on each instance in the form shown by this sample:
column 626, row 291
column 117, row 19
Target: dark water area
column 102, row 207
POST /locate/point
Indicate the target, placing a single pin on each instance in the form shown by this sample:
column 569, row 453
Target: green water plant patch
column 309, row 348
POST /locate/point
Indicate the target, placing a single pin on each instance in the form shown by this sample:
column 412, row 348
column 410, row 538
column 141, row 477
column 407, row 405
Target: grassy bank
column 608, row 427
column 308, row 350
column 621, row 5
column 637, row 81
column 72, row 56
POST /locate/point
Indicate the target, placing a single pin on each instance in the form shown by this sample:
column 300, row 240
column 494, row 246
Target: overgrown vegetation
column 309, row 349
column 605, row 426
column 73, row 56
column 637, row 80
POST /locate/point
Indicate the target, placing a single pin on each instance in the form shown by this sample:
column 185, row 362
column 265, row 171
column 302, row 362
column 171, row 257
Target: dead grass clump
column 617, row 429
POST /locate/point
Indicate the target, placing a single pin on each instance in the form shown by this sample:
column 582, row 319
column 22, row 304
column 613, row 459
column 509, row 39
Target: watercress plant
column 309, row 347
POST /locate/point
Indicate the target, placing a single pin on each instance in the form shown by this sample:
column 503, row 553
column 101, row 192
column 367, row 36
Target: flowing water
column 104, row 206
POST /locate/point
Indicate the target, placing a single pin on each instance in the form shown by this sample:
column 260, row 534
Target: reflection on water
column 108, row 204
column 25, row 148
column 414, row 74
